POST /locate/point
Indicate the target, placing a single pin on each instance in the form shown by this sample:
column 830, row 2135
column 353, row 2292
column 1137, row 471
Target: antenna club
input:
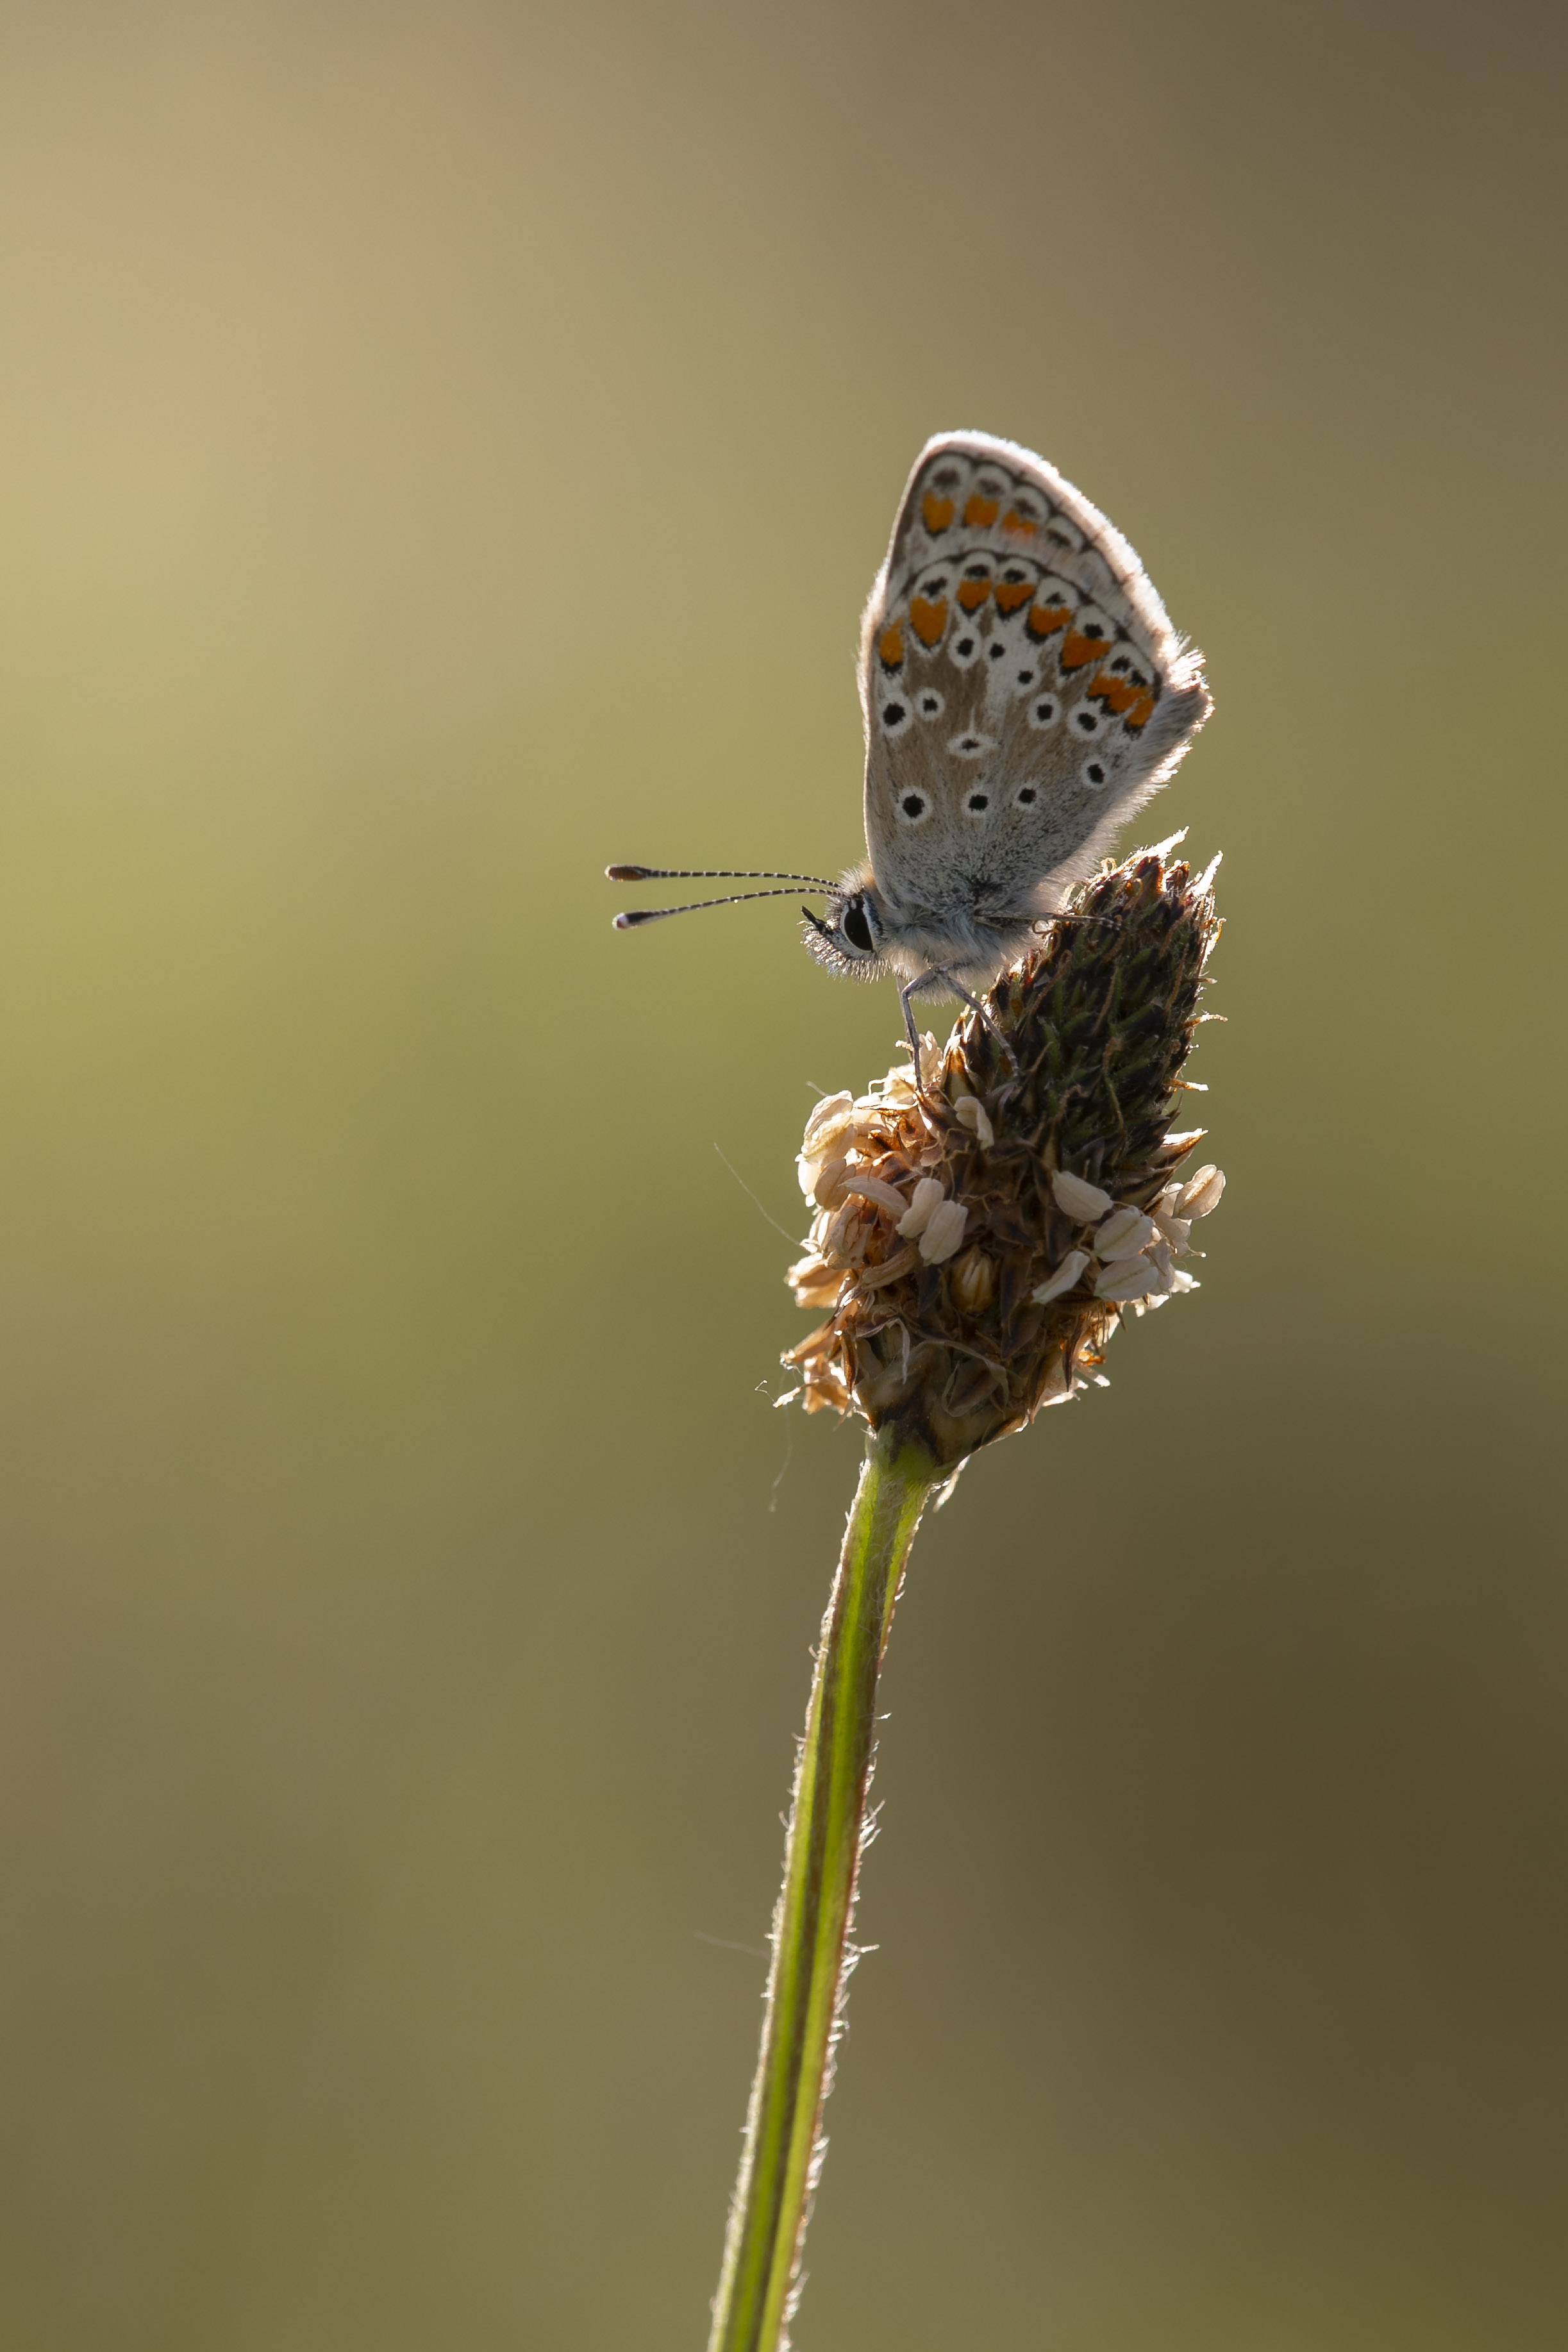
column 628, row 874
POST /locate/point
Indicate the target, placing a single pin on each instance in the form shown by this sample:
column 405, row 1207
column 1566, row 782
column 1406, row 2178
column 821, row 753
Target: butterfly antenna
column 710, row 874
column 695, row 906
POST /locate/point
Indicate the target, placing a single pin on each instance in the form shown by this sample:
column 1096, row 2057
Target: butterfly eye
column 857, row 930
column 913, row 806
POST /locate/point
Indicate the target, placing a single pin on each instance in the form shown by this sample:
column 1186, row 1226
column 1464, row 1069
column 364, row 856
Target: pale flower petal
column 1176, row 1230
column 843, row 1243
column 1123, row 1235
column 813, row 1284
column 828, row 1190
column 1201, row 1193
column 1065, row 1274
column 928, row 1195
column 943, row 1231
column 871, row 1188
column 892, row 1269
column 1081, row 1202
column 970, row 1112
column 831, row 1111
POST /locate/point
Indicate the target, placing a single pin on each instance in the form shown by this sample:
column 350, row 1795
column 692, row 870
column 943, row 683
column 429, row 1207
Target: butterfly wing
column 1023, row 694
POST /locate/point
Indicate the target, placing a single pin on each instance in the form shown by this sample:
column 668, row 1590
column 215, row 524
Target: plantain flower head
column 978, row 1242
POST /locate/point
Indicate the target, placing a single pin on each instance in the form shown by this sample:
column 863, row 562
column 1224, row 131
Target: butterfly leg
column 975, row 1007
column 912, row 1034
column 1044, row 925
column 982, row 1014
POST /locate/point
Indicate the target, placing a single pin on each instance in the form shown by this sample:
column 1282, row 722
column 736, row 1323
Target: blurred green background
column 444, row 449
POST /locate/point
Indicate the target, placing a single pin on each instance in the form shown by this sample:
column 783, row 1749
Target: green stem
column 811, row 1925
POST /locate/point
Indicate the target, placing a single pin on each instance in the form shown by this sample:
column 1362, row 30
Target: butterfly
column 1024, row 694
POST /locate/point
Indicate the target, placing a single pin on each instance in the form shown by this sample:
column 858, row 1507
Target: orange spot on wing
column 927, row 620
column 1116, row 691
column 981, row 513
column 892, row 648
column 972, row 594
column 1079, row 650
column 1143, row 709
column 1014, row 520
column 1047, row 619
column 937, row 512
column 1011, row 593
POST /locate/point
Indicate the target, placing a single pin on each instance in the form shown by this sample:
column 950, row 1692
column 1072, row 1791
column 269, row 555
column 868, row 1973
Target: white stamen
column 1083, row 1202
column 1201, row 1193
column 1065, row 1274
column 970, row 1113
column 943, row 1231
column 1123, row 1235
column 928, row 1196
column 1127, row 1278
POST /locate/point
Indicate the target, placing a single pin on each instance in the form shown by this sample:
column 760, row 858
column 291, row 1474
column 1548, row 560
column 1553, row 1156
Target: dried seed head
column 977, row 1246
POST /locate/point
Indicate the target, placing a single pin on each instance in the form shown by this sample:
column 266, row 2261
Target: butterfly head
column 848, row 938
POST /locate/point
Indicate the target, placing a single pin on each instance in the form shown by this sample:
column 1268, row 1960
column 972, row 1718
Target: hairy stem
column 811, row 1925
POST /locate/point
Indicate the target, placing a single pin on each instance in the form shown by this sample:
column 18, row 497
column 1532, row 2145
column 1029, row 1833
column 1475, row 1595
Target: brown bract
column 978, row 1244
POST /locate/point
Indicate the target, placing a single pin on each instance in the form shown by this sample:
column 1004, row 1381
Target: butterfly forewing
column 1024, row 690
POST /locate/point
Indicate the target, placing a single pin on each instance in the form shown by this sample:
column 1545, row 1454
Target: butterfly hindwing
column 1024, row 690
